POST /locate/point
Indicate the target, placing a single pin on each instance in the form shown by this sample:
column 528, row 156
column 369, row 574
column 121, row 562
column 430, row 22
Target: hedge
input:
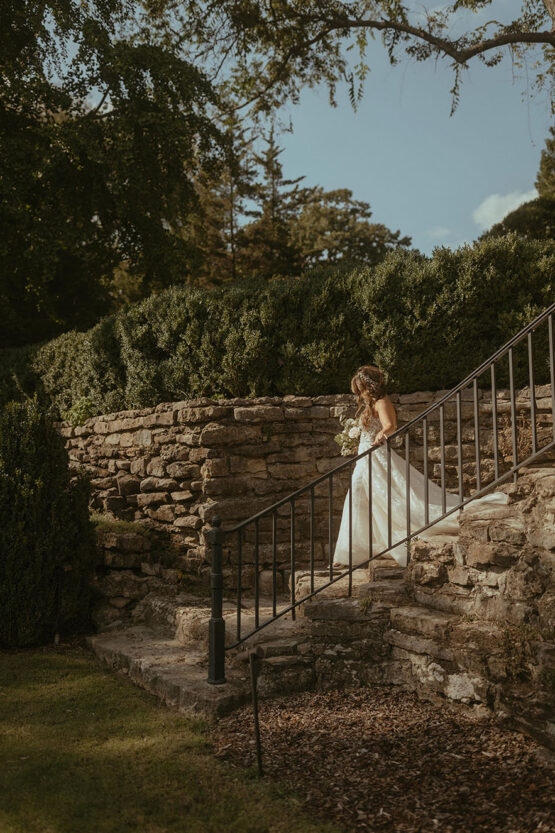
column 47, row 545
column 428, row 321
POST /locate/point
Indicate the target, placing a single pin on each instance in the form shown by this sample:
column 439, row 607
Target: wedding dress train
column 360, row 498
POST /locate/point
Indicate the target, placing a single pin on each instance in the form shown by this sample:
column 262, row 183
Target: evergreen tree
column 266, row 248
column 47, row 547
column 545, row 180
column 215, row 227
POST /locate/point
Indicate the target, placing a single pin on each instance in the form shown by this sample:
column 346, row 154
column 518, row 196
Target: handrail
column 349, row 570
column 215, row 535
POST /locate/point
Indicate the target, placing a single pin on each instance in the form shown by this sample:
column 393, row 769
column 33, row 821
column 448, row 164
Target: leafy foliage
column 86, row 187
column 332, row 226
column 46, row 539
column 533, row 219
column 545, row 180
column 274, row 50
column 426, row 321
column 536, row 218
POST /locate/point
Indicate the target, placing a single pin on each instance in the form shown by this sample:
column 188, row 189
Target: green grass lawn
column 83, row 750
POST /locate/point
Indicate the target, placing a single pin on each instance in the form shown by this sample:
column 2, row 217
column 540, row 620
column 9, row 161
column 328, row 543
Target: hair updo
column 368, row 384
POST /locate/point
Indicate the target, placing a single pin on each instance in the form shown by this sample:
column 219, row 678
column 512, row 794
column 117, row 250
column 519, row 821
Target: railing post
column 216, row 626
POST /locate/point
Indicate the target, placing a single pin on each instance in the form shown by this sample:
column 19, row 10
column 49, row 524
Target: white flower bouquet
column 349, row 436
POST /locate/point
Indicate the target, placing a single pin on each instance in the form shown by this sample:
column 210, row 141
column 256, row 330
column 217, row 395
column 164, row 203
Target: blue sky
column 441, row 180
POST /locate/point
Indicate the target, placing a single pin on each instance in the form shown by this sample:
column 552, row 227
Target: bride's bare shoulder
column 384, row 406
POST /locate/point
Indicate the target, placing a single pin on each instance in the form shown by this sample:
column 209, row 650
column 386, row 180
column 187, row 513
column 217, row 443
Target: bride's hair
column 369, row 385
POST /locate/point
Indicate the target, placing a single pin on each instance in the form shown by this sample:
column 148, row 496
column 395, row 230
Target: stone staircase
column 164, row 646
column 469, row 623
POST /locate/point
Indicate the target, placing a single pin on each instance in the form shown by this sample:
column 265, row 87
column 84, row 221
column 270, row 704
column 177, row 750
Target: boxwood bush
column 47, row 553
column 428, row 321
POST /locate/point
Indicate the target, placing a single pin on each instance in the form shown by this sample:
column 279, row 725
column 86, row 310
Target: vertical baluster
column 370, row 524
column 388, row 493
column 312, row 539
column 293, row 609
column 513, row 410
column 494, row 421
column 426, row 485
column 476, row 434
column 442, row 447
column 459, row 445
column 256, row 576
column 239, row 578
column 532, row 395
column 350, row 527
column 330, row 522
column 407, row 479
column 552, row 370
column 274, row 562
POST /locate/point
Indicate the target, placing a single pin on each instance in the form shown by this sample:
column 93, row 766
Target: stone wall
column 174, row 466
column 481, row 628
column 128, row 567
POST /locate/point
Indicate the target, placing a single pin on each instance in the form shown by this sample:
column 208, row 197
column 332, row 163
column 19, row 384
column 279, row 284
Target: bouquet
column 349, row 436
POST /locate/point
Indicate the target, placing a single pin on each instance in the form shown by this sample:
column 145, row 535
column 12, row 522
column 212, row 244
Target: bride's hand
column 380, row 437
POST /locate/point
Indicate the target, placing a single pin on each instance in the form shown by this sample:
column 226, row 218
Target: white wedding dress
column 359, row 509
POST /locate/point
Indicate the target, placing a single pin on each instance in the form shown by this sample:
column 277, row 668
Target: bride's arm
column 388, row 418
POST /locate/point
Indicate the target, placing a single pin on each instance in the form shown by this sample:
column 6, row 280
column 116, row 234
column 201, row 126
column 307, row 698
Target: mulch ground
column 380, row 759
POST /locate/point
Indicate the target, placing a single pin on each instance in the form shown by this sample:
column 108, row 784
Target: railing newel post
column 216, row 625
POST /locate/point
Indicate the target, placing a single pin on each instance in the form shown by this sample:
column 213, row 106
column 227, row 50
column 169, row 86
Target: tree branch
column 447, row 46
column 275, row 75
column 92, row 113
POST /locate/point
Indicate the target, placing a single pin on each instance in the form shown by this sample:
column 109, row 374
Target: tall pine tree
column 214, row 230
column 266, row 248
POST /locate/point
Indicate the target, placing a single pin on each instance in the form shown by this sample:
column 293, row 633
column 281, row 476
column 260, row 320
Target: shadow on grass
column 85, row 750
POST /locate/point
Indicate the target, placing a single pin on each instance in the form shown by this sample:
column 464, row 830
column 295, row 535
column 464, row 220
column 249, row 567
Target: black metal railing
column 215, row 535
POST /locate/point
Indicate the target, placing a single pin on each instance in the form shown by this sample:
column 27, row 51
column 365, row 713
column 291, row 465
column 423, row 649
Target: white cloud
column 439, row 231
column 496, row 206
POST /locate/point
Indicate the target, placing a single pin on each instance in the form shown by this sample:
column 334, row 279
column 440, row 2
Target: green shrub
column 80, row 411
column 430, row 321
column 46, row 538
column 427, row 321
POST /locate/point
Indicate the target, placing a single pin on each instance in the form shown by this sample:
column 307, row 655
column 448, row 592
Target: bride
column 378, row 420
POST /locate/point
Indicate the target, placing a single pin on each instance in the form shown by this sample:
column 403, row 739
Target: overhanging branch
column 448, row 47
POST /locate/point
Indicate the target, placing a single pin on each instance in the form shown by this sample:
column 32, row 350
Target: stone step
column 177, row 677
column 339, row 588
column 432, row 547
column 279, row 648
column 281, row 637
column 346, row 610
column 177, row 674
column 423, row 672
column 430, row 623
column 450, row 599
column 164, row 608
column 418, row 644
column 391, row 592
column 284, row 674
column 186, row 620
column 384, row 569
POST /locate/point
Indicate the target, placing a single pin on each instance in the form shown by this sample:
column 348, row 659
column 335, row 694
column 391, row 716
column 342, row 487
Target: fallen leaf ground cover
column 380, row 759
